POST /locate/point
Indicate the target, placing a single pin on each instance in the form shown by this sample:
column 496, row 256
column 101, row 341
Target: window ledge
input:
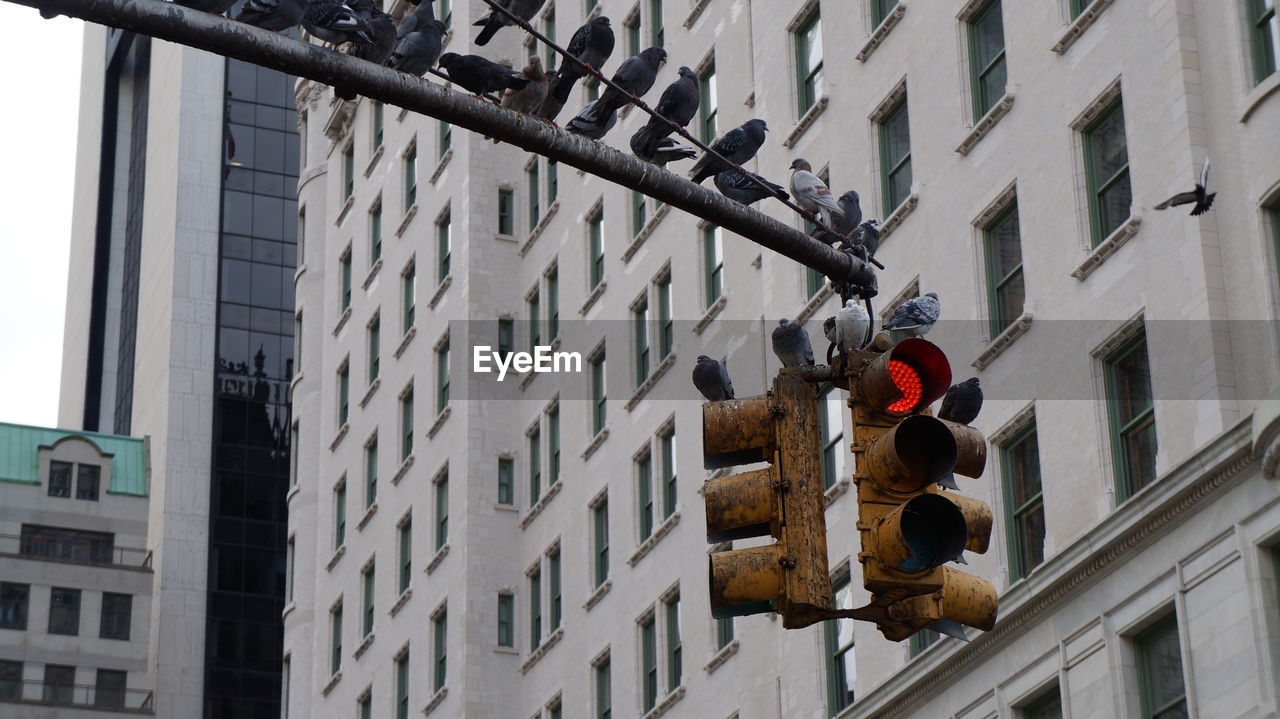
column 598, row 594
column 436, row 700
column 342, row 321
column 1260, row 92
column 404, row 111
column 540, row 228
column 696, row 12
column 645, row 232
column 368, row 515
column 342, row 433
column 504, row 238
column 404, row 469
column 1080, row 24
column 404, row 598
column 373, row 161
column 882, row 31
column 595, row 443
column 294, row 491
column 333, row 682
column 373, row 273
column 438, row 558
column 298, row 272
column 721, row 657
column 364, row 646
column 593, row 297
column 898, row 216
column 836, row 491
column 541, row 504
column 404, row 342
column 441, row 165
column 675, row 696
column 440, row 420
column 346, row 207
column 1107, row 247
column 506, row 508
column 654, row 538
column 715, row 309
column 506, row 650
column 288, row 609
column 652, row 380
column 806, row 121
column 819, row 298
column 1002, row 342
column 542, row 650
column 368, row 394
column 408, row 217
column 440, row 290
column 333, row 561
column 984, row 126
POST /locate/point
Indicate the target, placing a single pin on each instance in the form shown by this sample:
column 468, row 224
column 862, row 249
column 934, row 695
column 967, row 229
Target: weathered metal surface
column 971, row 449
column 744, row 576
column 978, row 520
column 875, row 386
column 742, row 505
column 915, row 453
column 737, row 431
column 927, row 529
column 967, row 599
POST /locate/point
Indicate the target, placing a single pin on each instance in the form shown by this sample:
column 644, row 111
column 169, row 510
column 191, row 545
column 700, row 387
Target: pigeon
column 846, row 226
column 274, row 15
column 738, row 187
column 712, row 379
column 421, row 37
column 213, row 7
column 530, row 97
column 635, row 76
column 791, row 344
column 1201, row 195
column 583, row 124
column 478, row 75
column 592, row 45
column 916, row 316
column 495, row 21
column 868, row 235
column 383, row 30
column 668, row 150
column 679, row 103
column 551, row 107
column 737, row 146
column 812, row 194
column 962, row 403
column 850, row 327
column 334, row 21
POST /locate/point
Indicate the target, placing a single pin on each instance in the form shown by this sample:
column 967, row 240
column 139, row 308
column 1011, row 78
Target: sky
column 38, row 145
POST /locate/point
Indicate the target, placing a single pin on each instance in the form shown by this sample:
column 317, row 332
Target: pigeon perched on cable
column 478, row 75
column 812, row 193
column 846, row 226
column 635, row 76
column 274, row 15
column 420, row 39
column 679, row 103
column 383, row 30
column 849, row 331
column 213, row 7
column 334, row 21
column 737, row 146
column 868, row 235
column 495, row 21
column 530, row 97
column 962, row 402
column 583, row 123
column 736, row 186
column 551, row 107
column 916, row 316
column 712, row 379
column 668, row 150
column 1201, row 195
column 791, row 344
column 592, row 45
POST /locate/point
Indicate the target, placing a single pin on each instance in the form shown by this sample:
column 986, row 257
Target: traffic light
column 909, row 526
column 784, row 500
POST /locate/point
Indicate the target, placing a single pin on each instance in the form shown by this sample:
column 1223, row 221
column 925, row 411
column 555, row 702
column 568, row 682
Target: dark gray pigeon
column 668, row 150
column 1201, row 195
column 478, row 75
column 495, row 21
column 421, row 37
column 584, row 123
column 791, row 344
column 275, row 15
column 737, row 146
column 214, row 7
column 592, row 44
column 845, row 227
column 551, row 107
column 962, row 403
column 868, row 235
column 916, row 316
column 679, row 103
column 635, row 75
column 736, row 186
column 712, row 379
column 334, row 21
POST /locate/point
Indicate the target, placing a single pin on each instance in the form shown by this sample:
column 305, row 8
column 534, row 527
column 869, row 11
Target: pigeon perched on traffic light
column 737, row 146
column 1201, row 195
column 635, row 76
column 478, row 75
column 592, row 44
column 916, row 316
column 812, row 193
column 420, row 39
column 962, row 403
column 583, row 124
column 791, row 344
column 495, row 21
column 274, row 15
column 679, row 103
column 712, row 379
column 850, row 328
column 738, row 187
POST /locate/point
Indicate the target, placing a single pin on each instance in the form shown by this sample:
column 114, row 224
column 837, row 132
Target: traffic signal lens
column 907, row 380
column 934, row 531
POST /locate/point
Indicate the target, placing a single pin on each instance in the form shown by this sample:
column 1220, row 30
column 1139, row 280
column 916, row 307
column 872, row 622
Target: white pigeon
column 813, row 194
column 851, row 326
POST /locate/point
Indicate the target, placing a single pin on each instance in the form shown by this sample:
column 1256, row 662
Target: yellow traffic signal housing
column 784, row 500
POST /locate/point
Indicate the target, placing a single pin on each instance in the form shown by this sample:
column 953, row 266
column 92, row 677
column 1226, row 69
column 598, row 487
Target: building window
column 1264, row 37
column 841, row 668
column 411, row 176
column 371, row 472
column 604, row 698
column 375, row 348
column 335, row 639
column 294, row 453
column 1024, row 502
column 442, row 511
column 442, row 376
column 59, row 684
column 535, row 607
column 402, row 685
column 880, row 10
column 439, row 628
column 553, row 589
column 506, row 337
column 60, row 478
column 444, row 245
column 922, row 640
column 87, row 476
column 640, row 324
column 375, row 232
column 600, row 525
column 1046, row 706
column 808, row 43
column 649, row 661
column 339, row 515
column 1006, row 292
column 666, row 325
column 506, row 620
column 1106, row 158
column 14, row 598
column 712, row 264
column 376, row 111
column 533, row 310
column 506, row 481
column 406, row 424
column 297, row 341
column 553, row 304
column 638, row 209
column 708, row 109
column 444, row 139
column 534, row 194
column 724, row 632
column 291, row 563
column 987, row 70
column 657, row 33
column 675, row 667
column 553, row 176
column 506, row 211
column 407, row 299
column 116, row 617
column 10, row 679
column 598, row 398
column 1078, row 6
column 365, row 705
column 1162, row 688
column 631, row 30
column 831, row 431
column 595, row 233
column 535, row 465
column 69, row 544
column 367, row 577
column 344, row 393
column 405, row 536
column 644, row 499
column 895, row 157
column 667, row 443
column 344, row 274
column 1132, row 415
column 348, row 170
column 64, row 611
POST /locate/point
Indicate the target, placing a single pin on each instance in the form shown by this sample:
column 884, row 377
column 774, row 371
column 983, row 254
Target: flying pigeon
column 478, row 75
column 592, row 44
column 850, row 330
column 791, row 344
column 916, row 316
column 495, row 21
column 582, row 124
column 214, row 7
column 1201, row 195
column 737, row 146
column 530, row 97
column 736, row 186
column 274, row 15
column 635, row 75
column 668, row 150
column 421, row 36
column 962, row 403
column 712, row 379
column 679, row 103
column 812, row 194
column 334, row 21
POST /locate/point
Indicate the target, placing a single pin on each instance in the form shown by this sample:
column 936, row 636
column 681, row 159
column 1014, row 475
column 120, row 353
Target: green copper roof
column 20, row 455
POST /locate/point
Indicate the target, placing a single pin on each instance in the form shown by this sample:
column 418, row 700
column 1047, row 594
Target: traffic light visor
column 906, row 378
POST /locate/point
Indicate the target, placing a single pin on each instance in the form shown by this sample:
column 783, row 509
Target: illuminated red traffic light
column 907, row 380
